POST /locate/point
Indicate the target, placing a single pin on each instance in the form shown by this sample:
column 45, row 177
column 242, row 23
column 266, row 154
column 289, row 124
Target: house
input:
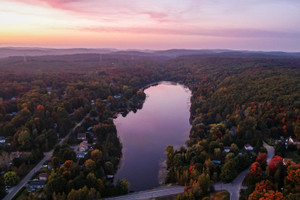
column 248, row 147
column 81, row 136
column 43, row 176
column 217, row 162
column 291, row 140
column 33, row 186
column 49, row 90
column 14, row 98
column 2, row 139
column 110, row 177
column 12, row 114
column 80, row 155
column 294, row 141
column 83, row 146
column 227, row 149
column 117, row 96
column 95, row 140
column 286, row 161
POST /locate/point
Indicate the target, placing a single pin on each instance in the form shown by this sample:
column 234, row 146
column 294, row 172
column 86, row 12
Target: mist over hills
column 35, row 51
column 170, row 53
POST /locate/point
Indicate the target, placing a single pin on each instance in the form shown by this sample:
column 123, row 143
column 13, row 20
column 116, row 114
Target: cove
column 163, row 121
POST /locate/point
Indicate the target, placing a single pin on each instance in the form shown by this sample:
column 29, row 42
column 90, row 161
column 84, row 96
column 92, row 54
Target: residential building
column 248, row 147
column 83, row 146
column 81, row 136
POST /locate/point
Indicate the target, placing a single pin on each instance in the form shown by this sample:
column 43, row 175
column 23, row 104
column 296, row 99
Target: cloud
column 234, row 33
column 157, row 16
column 66, row 5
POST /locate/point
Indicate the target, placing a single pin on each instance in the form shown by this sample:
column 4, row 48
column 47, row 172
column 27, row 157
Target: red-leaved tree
column 273, row 164
column 255, row 169
column 262, row 159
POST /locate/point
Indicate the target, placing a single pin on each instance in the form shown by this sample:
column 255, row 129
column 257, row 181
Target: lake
column 163, row 121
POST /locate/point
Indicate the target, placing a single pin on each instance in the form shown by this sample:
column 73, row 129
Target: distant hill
column 186, row 52
column 24, row 51
column 171, row 53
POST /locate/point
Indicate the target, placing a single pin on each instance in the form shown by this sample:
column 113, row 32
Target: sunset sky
column 156, row 24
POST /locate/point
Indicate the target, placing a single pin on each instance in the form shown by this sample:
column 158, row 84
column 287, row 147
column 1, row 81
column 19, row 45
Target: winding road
column 14, row 190
column 235, row 186
column 271, row 152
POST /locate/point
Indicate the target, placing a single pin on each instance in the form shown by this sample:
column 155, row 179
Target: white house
column 43, row 176
column 248, row 147
column 2, row 139
column 227, row 149
column 81, row 136
column 80, row 154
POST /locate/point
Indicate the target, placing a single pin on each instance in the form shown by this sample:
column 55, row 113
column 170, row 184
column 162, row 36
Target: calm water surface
column 163, row 121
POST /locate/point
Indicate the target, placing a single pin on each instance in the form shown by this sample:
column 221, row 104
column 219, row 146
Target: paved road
column 271, row 152
column 149, row 194
column 235, row 186
column 14, row 190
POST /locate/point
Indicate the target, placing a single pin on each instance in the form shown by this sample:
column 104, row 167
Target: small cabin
column 43, row 176
column 248, row 147
column 81, row 136
column 33, row 186
column 227, row 149
column 2, row 139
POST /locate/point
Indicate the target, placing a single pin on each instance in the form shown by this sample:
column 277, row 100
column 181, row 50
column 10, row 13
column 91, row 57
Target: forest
column 238, row 100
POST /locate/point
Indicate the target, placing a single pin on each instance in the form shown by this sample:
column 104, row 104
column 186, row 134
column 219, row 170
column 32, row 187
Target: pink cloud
column 157, row 16
column 67, row 5
column 234, row 33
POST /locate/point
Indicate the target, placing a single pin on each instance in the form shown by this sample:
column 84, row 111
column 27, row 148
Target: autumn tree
column 294, row 174
column 260, row 189
column 96, row 155
column 123, row 186
column 90, row 165
column 255, row 169
column 11, row 178
column 273, row 164
column 262, row 160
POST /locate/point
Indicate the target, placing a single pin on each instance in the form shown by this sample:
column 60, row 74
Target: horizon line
column 146, row 49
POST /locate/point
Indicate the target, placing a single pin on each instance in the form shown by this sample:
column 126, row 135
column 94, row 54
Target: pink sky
column 155, row 24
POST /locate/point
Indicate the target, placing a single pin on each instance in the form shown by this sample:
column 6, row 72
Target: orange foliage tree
column 294, row 174
column 255, row 169
column 263, row 191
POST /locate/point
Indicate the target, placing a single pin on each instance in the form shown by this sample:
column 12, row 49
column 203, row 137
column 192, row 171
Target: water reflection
column 163, row 121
